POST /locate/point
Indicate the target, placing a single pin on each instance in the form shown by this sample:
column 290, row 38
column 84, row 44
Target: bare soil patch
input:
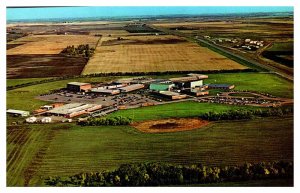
column 170, row 125
column 39, row 66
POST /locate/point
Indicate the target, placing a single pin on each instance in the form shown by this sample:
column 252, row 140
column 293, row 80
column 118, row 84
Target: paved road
column 267, row 67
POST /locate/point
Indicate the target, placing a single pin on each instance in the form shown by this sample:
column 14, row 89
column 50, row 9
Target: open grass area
column 260, row 82
column 68, row 149
column 180, row 109
column 13, row 82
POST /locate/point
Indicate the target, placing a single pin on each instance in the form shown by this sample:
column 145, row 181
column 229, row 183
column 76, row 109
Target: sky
column 84, row 12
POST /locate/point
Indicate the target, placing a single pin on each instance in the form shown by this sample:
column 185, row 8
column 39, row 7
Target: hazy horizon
column 40, row 13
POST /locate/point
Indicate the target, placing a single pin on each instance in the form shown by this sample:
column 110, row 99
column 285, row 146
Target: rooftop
column 169, row 93
column 16, row 111
column 78, row 83
column 132, row 87
column 102, row 90
column 186, row 79
column 70, row 108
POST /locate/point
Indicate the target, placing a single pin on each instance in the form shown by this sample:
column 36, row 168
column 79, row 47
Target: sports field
column 154, row 54
column 35, row 152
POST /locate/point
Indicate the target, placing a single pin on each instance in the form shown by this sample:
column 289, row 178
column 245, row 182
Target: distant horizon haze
column 40, row 13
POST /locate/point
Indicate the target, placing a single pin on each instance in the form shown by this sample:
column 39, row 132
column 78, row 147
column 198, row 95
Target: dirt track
column 170, row 125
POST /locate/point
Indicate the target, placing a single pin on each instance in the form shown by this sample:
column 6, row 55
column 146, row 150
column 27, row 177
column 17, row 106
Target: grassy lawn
column 13, row 82
column 282, row 46
column 260, row 82
column 180, row 109
column 69, row 149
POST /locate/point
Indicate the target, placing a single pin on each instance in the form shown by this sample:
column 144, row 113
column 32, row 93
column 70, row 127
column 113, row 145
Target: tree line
column 166, row 174
column 113, row 121
column 247, row 114
column 83, row 50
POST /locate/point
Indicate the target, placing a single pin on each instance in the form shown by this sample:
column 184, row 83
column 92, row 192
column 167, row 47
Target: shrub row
column 118, row 120
column 164, row 174
column 247, row 114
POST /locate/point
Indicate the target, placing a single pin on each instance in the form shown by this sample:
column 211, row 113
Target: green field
column 180, row 109
column 282, row 46
column 35, row 152
column 260, row 82
column 13, row 82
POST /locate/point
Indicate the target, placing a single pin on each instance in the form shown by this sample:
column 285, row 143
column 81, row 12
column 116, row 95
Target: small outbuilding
column 46, row 120
column 31, row 120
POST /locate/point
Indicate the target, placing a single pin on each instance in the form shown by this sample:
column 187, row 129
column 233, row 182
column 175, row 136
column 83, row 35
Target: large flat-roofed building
column 191, row 81
column 172, row 95
column 196, row 92
column 187, row 82
column 74, row 109
column 18, row 112
column 199, row 76
column 105, row 91
column 161, row 85
column 132, row 87
column 78, row 86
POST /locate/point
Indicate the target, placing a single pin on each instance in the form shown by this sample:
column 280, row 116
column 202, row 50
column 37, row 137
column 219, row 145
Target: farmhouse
column 221, row 86
column 18, row 112
column 161, row 85
column 74, row 109
column 78, row 86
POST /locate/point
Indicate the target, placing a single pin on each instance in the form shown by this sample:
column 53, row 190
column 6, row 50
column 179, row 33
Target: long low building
column 172, row 95
column 74, row 109
column 105, row 91
column 18, row 112
column 132, row 87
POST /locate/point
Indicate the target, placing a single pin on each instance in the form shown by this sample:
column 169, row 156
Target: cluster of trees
column 247, row 114
column 113, row 121
column 81, row 50
column 164, row 174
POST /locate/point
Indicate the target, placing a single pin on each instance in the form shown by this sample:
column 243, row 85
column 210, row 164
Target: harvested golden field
column 48, row 44
column 154, row 54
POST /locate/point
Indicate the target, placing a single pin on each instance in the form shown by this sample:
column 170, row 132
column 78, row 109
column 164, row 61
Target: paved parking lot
column 129, row 100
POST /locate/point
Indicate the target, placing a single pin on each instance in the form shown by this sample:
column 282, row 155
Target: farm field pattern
column 154, row 56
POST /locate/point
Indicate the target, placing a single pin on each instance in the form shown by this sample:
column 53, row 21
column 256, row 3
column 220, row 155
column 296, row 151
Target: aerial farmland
column 193, row 100
column 155, row 53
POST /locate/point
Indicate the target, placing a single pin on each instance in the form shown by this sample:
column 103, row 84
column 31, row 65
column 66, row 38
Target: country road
column 278, row 71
